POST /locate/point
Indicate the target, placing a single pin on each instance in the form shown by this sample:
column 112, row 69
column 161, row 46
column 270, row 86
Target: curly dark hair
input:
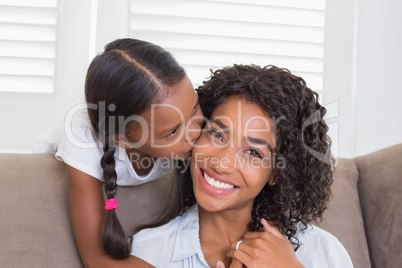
column 303, row 178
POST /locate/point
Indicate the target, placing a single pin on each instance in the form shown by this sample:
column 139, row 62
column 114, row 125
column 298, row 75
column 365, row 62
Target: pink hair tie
column 111, row 204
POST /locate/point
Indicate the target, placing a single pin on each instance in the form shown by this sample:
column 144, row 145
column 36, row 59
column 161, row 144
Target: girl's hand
column 264, row 249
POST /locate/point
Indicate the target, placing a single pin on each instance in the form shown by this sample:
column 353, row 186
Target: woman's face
column 231, row 161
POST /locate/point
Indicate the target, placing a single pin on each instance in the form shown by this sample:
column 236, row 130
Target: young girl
column 142, row 113
column 252, row 165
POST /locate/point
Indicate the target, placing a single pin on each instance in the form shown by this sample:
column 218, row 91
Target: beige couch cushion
column 35, row 229
column 34, row 215
column 343, row 217
column 381, row 194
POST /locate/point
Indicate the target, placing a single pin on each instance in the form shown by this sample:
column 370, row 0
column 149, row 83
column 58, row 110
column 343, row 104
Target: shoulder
column 170, row 243
column 78, row 127
column 156, row 245
column 157, row 233
column 78, row 146
column 320, row 248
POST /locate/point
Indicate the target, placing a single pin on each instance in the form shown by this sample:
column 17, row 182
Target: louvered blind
column 28, row 45
column 204, row 34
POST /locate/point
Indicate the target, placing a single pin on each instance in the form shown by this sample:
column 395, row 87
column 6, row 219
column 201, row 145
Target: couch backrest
column 35, row 229
column 343, row 218
column 380, row 188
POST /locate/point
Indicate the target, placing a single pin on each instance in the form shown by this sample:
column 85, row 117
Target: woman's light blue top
column 177, row 244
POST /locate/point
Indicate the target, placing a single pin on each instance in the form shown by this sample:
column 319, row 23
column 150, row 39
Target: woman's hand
column 263, row 249
column 234, row 264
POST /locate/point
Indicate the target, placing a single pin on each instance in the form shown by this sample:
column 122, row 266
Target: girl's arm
column 87, row 212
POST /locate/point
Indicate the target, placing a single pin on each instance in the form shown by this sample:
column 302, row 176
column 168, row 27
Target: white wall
column 379, row 76
column 339, row 73
column 363, row 66
column 24, row 115
column 362, row 89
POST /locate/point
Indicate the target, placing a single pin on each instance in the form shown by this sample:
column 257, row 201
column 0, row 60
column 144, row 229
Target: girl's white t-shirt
column 79, row 148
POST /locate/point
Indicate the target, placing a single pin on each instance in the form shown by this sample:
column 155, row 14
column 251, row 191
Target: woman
column 264, row 156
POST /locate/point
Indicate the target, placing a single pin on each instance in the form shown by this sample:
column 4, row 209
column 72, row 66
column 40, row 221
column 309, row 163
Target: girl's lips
column 214, row 190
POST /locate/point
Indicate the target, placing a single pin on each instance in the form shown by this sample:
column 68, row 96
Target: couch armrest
column 35, row 228
column 343, row 218
column 380, row 188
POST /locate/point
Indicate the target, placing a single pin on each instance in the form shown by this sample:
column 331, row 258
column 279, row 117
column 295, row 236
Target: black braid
column 108, row 165
column 114, row 239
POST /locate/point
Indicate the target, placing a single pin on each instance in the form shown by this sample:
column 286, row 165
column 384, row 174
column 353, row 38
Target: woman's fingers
column 257, row 247
column 236, row 264
column 220, row 264
column 264, row 249
column 242, row 245
column 240, row 256
column 271, row 229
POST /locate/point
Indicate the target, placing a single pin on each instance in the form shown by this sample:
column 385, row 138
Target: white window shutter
column 28, row 45
column 204, row 34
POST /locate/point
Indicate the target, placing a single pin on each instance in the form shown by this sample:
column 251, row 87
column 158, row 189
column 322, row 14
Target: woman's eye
column 216, row 134
column 255, row 153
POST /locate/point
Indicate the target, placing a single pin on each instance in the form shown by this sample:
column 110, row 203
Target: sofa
column 365, row 211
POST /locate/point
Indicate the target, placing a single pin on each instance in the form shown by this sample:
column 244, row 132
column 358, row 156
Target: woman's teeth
column 217, row 184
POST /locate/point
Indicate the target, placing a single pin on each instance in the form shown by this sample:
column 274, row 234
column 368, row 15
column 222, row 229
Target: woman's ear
column 273, row 178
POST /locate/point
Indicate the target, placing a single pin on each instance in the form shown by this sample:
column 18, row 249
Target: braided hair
column 121, row 82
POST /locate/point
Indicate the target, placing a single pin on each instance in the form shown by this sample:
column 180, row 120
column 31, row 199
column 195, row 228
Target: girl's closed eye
column 172, row 133
column 197, row 105
column 196, row 108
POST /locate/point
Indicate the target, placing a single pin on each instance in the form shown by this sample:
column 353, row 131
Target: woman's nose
column 224, row 160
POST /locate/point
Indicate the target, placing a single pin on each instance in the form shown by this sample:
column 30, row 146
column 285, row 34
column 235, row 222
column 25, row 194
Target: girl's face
column 231, row 161
column 168, row 129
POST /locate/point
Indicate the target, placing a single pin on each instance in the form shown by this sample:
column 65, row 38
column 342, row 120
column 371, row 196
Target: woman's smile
column 214, row 184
